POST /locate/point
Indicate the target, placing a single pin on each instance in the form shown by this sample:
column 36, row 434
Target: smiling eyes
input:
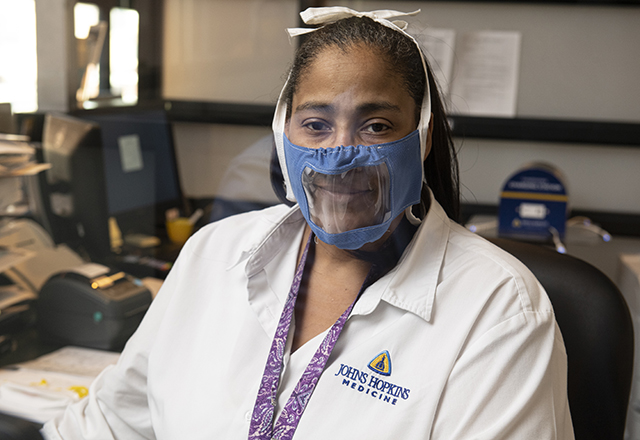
column 377, row 127
column 316, row 126
column 321, row 127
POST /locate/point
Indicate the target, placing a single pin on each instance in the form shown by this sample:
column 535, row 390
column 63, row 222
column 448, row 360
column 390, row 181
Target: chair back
column 598, row 334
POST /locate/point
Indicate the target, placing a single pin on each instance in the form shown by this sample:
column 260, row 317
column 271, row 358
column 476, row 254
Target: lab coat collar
column 411, row 285
column 413, row 282
column 266, row 246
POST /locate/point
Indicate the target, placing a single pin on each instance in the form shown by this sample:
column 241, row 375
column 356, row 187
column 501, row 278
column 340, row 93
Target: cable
column 586, row 224
column 556, row 240
column 482, row 227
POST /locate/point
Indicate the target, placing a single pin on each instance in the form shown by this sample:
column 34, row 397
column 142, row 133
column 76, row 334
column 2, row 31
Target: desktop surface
column 27, row 346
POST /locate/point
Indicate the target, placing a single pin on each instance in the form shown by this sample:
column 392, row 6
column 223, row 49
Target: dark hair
column 441, row 166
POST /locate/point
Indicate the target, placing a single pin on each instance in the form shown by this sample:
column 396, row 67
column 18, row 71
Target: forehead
column 357, row 71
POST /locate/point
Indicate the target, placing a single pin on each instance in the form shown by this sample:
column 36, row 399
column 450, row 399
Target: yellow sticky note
column 80, row 390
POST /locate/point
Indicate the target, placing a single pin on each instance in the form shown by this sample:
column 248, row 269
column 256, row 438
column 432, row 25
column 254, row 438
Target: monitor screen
column 140, row 168
column 139, row 161
column 109, row 165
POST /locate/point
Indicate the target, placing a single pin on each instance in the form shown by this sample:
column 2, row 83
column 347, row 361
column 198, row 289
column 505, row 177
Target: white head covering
column 328, row 15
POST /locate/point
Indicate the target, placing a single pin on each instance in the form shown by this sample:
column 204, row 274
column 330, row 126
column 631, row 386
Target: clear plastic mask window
column 354, row 199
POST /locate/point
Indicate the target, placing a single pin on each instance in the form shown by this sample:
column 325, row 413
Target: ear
column 427, row 148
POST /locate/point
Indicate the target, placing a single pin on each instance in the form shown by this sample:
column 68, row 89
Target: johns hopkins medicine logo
column 374, row 384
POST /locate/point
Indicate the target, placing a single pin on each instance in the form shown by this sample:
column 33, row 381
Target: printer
column 91, row 306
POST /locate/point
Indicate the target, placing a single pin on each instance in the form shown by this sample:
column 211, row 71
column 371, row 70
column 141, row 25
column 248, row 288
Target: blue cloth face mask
column 350, row 195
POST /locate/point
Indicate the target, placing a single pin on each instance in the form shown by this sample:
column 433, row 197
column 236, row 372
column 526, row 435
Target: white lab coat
column 473, row 347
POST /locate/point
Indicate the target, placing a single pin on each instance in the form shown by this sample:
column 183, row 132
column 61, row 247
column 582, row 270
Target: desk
column 606, row 256
column 29, row 346
column 38, row 390
column 145, row 262
column 581, row 244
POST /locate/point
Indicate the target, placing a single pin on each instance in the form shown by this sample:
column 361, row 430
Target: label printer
column 91, row 306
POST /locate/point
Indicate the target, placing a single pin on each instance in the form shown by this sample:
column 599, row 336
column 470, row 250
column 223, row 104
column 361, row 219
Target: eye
column 316, row 126
column 376, row 128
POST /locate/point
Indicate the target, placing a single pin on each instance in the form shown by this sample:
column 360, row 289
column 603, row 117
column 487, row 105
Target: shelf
column 548, row 130
column 616, row 223
column 542, row 130
column 569, row 131
column 521, row 129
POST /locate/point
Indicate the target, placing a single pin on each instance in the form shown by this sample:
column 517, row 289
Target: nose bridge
column 345, row 136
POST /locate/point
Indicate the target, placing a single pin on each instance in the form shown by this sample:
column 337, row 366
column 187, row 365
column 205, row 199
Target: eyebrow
column 363, row 108
column 377, row 106
column 314, row 105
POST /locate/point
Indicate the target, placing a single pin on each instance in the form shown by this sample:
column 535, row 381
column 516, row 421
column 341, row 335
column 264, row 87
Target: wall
column 52, row 55
column 205, row 151
column 226, row 51
column 599, row 178
column 578, row 62
column 217, row 50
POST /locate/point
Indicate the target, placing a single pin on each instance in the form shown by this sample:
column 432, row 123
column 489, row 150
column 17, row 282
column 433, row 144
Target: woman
column 398, row 323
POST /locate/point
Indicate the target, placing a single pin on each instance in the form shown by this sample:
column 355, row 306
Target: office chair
column 598, row 334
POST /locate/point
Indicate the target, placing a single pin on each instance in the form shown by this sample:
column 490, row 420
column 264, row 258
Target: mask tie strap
column 327, row 15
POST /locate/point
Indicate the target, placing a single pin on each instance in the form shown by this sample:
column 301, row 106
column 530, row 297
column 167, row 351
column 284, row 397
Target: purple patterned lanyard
column 261, row 427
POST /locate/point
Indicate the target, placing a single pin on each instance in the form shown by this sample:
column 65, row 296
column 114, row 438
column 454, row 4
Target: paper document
column 91, row 270
column 14, row 147
column 39, row 396
column 486, row 76
column 74, row 360
column 28, row 169
column 15, row 155
column 12, row 294
column 41, row 389
column 12, row 257
column 439, row 45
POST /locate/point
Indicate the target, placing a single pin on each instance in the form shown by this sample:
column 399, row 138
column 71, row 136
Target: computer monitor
column 73, row 190
column 30, row 124
column 119, row 165
column 140, row 167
